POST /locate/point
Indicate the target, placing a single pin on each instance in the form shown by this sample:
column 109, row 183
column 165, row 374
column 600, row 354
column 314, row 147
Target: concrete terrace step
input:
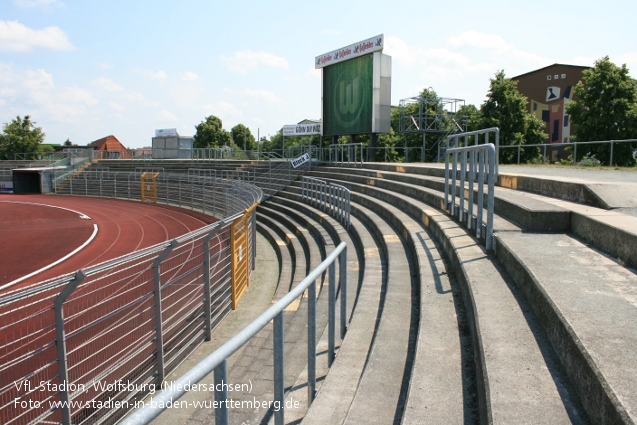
column 333, row 233
column 532, row 214
column 391, row 349
column 504, row 334
column 299, row 259
column 340, row 385
column 280, row 239
column 448, row 400
column 587, row 303
column 587, row 202
column 255, row 363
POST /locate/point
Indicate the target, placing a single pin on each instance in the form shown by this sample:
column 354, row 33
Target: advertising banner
column 301, row 129
column 6, row 187
column 166, row 132
column 374, row 44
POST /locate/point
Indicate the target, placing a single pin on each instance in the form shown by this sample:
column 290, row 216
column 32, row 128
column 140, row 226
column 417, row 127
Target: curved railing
column 217, row 361
column 83, row 348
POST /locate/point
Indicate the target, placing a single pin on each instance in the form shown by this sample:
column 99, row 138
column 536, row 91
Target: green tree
column 210, row 134
column 505, row 108
column 472, row 114
column 606, row 109
column 243, row 138
column 20, row 136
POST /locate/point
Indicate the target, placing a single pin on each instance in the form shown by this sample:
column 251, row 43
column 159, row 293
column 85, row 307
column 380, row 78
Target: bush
column 589, row 161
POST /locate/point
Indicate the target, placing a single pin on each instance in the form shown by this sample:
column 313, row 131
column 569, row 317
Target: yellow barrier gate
column 239, row 243
column 149, row 186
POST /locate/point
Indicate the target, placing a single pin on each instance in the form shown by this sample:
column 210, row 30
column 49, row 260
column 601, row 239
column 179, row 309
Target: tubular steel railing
column 214, row 196
column 217, row 361
column 481, row 163
column 348, row 154
column 330, row 197
column 86, row 347
column 465, row 139
column 544, row 146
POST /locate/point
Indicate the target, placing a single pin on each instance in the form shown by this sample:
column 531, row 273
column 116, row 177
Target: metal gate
column 240, row 232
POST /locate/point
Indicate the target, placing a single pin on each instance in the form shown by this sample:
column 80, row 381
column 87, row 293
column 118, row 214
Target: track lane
column 124, row 227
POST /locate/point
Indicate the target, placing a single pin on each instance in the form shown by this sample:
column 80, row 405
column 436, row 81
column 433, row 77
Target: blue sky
column 86, row 69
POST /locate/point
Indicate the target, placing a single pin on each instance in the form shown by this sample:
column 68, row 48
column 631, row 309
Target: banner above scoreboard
column 374, row 44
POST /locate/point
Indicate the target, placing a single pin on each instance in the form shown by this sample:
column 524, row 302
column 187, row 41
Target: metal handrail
column 574, row 144
column 337, row 149
column 327, row 196
column 476, row 134
column 217, row 361
column 486, row 157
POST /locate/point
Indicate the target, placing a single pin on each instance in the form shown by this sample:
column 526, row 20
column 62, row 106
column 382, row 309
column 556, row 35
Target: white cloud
column 480, row 41
column 38, row 80
column 629, row 58
column 104, row 65
column 166, row 116
column 247, row 60
column 107, row 84
column 224, row 110
column 16, row 37
column 157, row 76
column 313, row 73
column 401, row 52
column 410, row 55
column 331, row 32
column 77, row 95
column 190, row 76
column 37, row 3
column 496, row 46
column 116, row 107
column 138, row 97
column 262, row 94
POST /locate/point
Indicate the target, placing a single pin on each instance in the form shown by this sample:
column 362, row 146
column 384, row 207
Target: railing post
column 60, row 339
column 159, row 334
column 453, row 184
column 446, row 206
column 490, row 201
column 481, row 157
column 331, row 337
column 342, row 267
column 206, row 281
column 610, row 162
column 544, row 156
column 311, row 342
column 253, row 219
column 472, row 170
column 221, row 394
column 279, row 383
column 463, row 175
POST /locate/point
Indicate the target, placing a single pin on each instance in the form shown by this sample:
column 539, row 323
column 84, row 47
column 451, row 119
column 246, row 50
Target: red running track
column 35, row 235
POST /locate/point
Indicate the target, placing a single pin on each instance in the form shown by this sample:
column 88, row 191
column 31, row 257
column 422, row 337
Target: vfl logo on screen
column 349, row 100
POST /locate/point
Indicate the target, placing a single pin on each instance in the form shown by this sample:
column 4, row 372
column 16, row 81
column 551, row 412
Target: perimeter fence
column 218, row 197
column 86, row 347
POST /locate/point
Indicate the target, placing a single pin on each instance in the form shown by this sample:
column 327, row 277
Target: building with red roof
column 114, row 149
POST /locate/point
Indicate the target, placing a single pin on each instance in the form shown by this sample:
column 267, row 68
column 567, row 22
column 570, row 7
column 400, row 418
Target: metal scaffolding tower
column 433, row 116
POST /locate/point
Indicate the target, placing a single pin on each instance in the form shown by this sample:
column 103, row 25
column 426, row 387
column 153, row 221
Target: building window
column 548, row 77
column 557, row 77
column 563, row 76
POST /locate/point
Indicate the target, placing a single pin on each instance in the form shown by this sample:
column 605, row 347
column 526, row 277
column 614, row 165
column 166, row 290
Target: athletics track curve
column 35, row 235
